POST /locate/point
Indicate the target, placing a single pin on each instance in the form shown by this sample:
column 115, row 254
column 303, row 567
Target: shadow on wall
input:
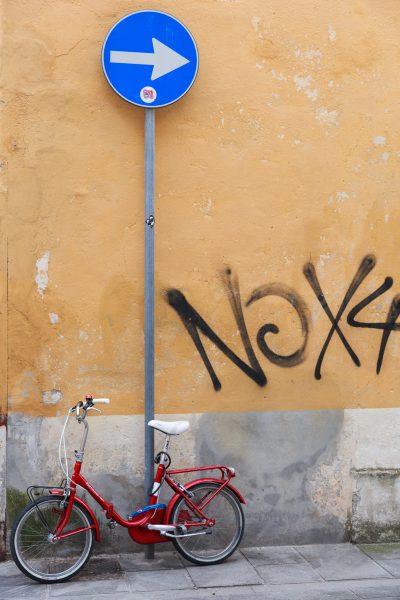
column 274, row 455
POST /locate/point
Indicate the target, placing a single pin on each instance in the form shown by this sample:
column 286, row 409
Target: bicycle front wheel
column 210, row 545
column 34, row 551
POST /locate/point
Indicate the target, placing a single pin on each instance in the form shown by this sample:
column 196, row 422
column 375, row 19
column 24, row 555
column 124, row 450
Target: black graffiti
column 387, row 327
column 366, row 266
column 275, row 289
column 194, row 323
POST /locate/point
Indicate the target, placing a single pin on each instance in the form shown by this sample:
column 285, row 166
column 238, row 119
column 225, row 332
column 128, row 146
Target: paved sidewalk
column 315, row 572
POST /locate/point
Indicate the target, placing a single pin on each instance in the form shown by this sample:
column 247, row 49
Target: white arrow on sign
column 163, row 59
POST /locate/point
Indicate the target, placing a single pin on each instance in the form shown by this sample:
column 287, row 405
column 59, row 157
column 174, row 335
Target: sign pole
column 149, row 79
column 149, row 309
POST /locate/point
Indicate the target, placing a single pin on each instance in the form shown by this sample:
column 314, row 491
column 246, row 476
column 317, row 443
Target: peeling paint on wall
column 379, row 140
column 52, row 396
column 304, row 84
column 331, row 33
column 328, row 117
column 42, row 278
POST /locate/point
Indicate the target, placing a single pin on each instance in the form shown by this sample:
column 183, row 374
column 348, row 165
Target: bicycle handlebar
column 85, row 406
column 101, row 400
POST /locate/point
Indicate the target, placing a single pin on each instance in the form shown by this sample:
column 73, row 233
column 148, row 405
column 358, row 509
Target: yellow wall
column 286, row 151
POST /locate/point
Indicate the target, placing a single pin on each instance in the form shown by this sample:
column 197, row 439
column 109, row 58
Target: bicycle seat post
column 166, row 443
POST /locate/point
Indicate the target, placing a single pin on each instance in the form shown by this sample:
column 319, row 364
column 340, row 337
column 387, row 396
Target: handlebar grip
column 101, row 401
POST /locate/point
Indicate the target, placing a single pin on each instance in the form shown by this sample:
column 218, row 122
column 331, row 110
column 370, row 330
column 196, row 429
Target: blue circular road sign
column 150, row 59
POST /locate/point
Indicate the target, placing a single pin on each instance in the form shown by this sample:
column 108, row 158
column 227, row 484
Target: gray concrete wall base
column 3, row 436
column 2, row 540
column 307, row 477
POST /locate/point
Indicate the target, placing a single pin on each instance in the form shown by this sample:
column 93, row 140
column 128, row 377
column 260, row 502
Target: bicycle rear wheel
column 42, row 559
column 212, row 545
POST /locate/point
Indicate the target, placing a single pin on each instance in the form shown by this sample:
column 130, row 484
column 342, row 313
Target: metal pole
column 149, row 309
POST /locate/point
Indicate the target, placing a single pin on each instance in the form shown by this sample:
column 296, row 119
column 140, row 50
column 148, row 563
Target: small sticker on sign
column 148, row 94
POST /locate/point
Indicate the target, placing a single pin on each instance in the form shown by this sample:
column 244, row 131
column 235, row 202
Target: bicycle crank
column 175, row 531
column 185, row 535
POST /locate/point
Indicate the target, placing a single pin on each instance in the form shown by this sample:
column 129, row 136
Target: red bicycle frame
column 137, row 526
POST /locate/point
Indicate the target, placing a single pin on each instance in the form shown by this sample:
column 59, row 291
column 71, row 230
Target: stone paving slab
column 83, row 588
column 100, row 567
column 235, row 571
column 20, row 587
column 156, row 581
column 314, row 591
column 321, row 572
column 292, row 573
column 178, row 595
column 8, row 568
column 137, row 562
column 335, row 562
column 381, row 551
column 372, row 590
column 392, row 566
column 275, row 555
column 245, row 593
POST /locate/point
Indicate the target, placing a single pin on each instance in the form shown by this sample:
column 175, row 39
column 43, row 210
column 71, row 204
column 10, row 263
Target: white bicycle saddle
column 170, row 427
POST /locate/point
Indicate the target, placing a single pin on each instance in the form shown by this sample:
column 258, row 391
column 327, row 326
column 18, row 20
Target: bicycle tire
column 221, row 540
column 39, row 558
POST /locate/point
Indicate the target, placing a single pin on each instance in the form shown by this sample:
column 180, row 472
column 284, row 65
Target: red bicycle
column 53, row 537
